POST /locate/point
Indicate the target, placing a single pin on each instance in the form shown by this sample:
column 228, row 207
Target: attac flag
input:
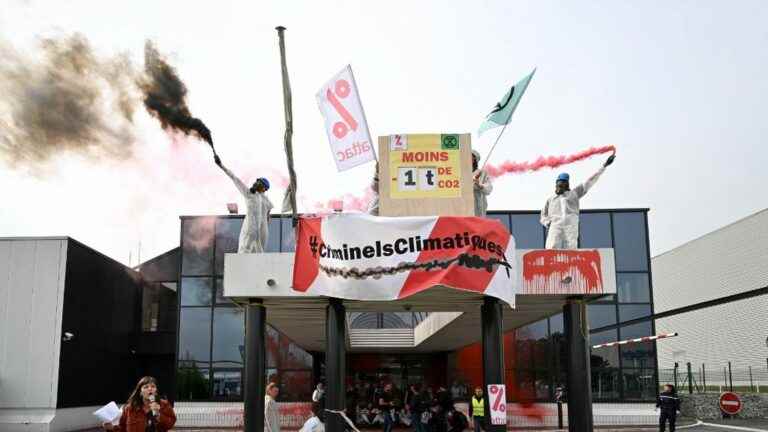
column 345, row 121
column 502, row 112
column 361, row 257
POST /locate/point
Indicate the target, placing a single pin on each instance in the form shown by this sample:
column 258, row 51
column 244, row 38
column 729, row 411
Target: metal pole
column 730, row 376
column 751, row 385
column 704, row 376
column 579, row 387
column 690, row 378
column 674, row 374
column 559, row 415
column 288, row 107
column 335, row 363
column 255, row 366
column 493, row 355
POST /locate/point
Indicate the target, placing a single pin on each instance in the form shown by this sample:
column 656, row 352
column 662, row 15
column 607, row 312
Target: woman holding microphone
column 144, row 411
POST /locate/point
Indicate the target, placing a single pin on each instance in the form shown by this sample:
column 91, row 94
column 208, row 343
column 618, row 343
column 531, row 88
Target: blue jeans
column 389, row 422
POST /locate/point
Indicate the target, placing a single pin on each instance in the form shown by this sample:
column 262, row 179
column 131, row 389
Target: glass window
column 638, row 355
column 296, row 385
column 272, row 340
column 633, row 287
column 228, row 336
column 294, row 357
column 528, row 232
column 273, row 242
column 193, row 383
column 630, row 312
column 196, row 291
column 227, row 239
column 501, row 217
column 630, row 241
column 197, row 246
column 636, row 330
column 605, row 384
column 220, row 299
column 607, row 356
column 639, row 384
column 601, row 315
column 533, row 331
column 228, row 384
column 556, row 324
column 595, row 230
column 364, row 320
column 288, row 236
column 195, row 336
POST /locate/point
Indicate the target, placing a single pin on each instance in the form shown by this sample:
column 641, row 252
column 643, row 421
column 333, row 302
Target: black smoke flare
column 165, row 97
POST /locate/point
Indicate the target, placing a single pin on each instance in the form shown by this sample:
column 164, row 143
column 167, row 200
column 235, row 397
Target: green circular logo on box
column 449, row 142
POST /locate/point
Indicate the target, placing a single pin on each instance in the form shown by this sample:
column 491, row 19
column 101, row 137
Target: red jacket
column 134, row 420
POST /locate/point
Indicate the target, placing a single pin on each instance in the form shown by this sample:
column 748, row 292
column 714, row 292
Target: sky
column 680, row 88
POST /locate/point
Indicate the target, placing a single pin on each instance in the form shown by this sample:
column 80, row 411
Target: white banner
column 497, row 397
column 345, row 121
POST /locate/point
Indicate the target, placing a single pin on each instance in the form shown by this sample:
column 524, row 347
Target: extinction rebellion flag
column 361, row 257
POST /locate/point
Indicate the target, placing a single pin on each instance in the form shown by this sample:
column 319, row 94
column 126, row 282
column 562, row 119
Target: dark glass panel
column 630, row 312
column 606, row 356
column 228, row 384
column 633, row 287
column 195, row 337
column 288, row 236
column 638, row 355
column 273, row 242
column 396, row 320
column 636, row 330
column 364, row 320
column 556, row 324
column 601, row 315
column 197, row 246
column 595, row 230
column 639, row 384
column 228, row 336
column 528, row 232
column 227, row 239
column 193, row 384
column 272, row 340
column 196, row 291
column 296, row 386
column 630, row 241
column 605, row 384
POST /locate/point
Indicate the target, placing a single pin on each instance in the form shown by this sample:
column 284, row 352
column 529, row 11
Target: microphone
column 152, row 400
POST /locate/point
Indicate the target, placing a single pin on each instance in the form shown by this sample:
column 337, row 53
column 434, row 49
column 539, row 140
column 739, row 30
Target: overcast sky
column 680, row 88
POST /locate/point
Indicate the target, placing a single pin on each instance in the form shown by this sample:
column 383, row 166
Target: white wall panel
column 31, row 290
column 735, row 332
column 731, row 260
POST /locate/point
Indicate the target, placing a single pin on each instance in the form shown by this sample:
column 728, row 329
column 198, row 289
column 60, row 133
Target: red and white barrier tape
column 638, row 340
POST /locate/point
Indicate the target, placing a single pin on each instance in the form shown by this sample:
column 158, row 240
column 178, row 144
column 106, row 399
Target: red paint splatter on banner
column 550, row 271
column 510, row 167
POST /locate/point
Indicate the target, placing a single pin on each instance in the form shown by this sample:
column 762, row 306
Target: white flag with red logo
column 362, row 257
column 345, row 121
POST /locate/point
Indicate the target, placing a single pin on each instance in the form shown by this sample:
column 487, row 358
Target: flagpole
column 288, row 124
column 488, row 156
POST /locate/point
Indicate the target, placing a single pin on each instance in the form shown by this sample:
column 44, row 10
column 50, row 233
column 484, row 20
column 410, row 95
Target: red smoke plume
column 509, row 167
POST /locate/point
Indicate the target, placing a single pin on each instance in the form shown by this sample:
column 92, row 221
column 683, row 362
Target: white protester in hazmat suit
column 482, row 185
column 561, row 212
column 255, row 230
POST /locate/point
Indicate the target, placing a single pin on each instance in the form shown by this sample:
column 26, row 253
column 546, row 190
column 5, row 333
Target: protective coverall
column 255, row 230
column 373, row 206
column 561, row 215
column 482, row 189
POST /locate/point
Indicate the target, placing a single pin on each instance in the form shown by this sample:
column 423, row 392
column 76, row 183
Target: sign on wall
column 497, row 397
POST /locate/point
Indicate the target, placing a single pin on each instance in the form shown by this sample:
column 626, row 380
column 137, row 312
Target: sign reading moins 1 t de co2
column 424, row 166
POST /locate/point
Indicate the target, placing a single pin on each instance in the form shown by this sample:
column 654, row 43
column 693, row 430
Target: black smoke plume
column 64, row 100
column 165, row 96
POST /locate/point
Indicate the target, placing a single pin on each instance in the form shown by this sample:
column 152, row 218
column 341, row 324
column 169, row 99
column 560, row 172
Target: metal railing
column 703, row 378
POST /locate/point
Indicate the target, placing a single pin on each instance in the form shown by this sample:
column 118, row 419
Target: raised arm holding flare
column 561, row 211
column 255, row 230
column 482, row 185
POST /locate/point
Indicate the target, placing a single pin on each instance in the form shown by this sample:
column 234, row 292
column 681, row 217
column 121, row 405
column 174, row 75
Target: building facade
column 210, row 351
column 713, row 291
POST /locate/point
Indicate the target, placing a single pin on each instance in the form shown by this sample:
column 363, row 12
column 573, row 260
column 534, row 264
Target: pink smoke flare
column 510, row 167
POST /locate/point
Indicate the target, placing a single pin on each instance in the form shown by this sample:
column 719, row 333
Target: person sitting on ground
column 376, row 416
column 363, row 415
column 142, row 412
column 437, row 418
column 314, row 423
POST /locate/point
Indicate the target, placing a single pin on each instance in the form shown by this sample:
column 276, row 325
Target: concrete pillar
column 493, row 354
column 335, row 363
column 255, row 366
column 579, row 390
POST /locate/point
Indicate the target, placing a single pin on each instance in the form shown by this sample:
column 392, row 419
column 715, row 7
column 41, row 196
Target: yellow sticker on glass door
column 424, row 166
